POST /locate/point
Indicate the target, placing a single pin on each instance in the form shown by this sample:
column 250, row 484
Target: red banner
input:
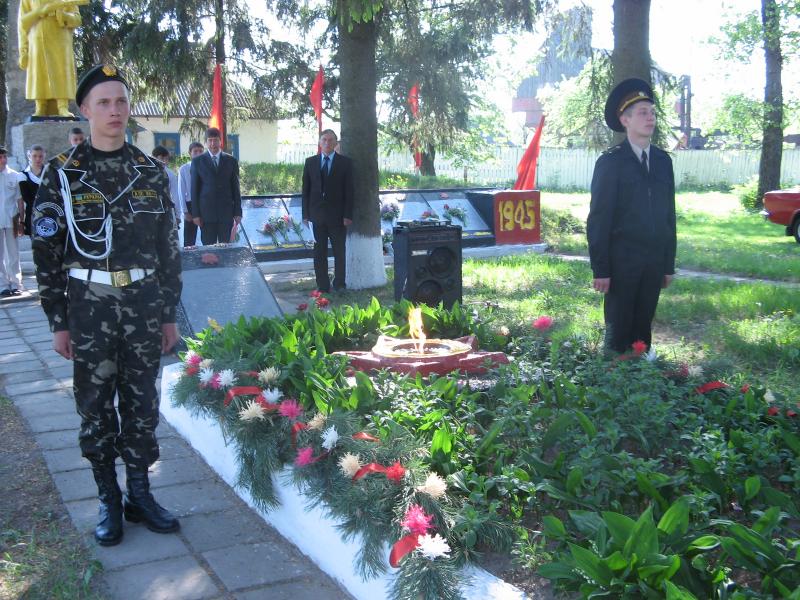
column 215, row 120
column 316, row 96
column 526, row 170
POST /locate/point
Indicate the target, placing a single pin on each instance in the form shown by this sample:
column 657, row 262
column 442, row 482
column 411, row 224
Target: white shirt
column 638, row 152
column 10, row 196
column 184, row 186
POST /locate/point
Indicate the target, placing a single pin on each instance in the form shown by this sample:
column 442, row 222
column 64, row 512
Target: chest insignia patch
column 46, row 227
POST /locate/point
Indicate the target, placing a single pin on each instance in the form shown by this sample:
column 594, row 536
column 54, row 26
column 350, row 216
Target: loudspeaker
column 427, row 263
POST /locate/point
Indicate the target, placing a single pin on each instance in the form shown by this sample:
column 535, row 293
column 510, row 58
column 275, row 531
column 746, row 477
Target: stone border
column 309, row 528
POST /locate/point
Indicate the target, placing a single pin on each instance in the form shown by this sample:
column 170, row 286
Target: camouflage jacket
column 136, row 196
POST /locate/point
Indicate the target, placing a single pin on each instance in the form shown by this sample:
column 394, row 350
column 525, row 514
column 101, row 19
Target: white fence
column 561, row 168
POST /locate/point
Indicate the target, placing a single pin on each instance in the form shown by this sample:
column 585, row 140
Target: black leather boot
column 109, row 529
column 141, row 506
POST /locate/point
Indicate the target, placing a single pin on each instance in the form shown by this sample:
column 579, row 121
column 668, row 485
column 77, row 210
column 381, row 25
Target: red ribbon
column 394, row 473
column 402, row 547
column 244, row 390
column 298, row 426
column 363, row 435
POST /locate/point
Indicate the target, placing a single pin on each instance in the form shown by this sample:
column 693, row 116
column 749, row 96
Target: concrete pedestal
column 52, row 135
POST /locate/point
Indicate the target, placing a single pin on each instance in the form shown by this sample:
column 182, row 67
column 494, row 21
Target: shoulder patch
column 52, row 206
column 45, row 227
column 140, row 159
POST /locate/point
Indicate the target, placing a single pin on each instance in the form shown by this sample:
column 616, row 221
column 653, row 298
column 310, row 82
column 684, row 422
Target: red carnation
column 302, row 306
column 773, row 411
column 396, row 472
column 322, row 302
column 711, row 385
column 639, row 347
column 745, row 388
column 192, row 370
column 790, row 413
column 315, row 294
column 543, row 323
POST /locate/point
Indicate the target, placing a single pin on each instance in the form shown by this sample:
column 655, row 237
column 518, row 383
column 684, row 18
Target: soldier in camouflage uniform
column 108, row 268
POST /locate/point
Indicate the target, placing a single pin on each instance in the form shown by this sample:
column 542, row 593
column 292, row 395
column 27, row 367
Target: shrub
column 748, row 194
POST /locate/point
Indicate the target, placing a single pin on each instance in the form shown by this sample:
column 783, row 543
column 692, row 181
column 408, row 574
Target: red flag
column 215, row 120
column 413, row 100
column 526, row 169
column 316, row 95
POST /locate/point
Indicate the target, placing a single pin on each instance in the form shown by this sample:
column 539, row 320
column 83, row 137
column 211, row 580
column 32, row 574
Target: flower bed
column 632, row 474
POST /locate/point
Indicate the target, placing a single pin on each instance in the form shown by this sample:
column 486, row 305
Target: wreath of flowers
column 455, row 212
column 390, row 211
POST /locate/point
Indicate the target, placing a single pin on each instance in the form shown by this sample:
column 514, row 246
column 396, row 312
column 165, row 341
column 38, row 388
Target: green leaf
column 442, row 440
column 587, row 522
column 768, row 521
column 791, row 440
column 677, row 593
column 591, row 565
column 617, row 562
column 574, row 480
column 752, row 485
column 557, row 570
column 556, row 430
column 644, row 537
column 586, row 424
column 704, row 543
column 676, row 518
column 741, row 555
column 553, row 527
column 646, row 487
column 619, row 526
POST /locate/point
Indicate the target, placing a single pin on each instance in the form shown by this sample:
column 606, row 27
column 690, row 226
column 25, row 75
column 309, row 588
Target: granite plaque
column 474, row 222
column 255, row 213
column 222, row 283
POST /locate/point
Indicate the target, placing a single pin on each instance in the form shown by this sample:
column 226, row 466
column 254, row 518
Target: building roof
column 202, row 108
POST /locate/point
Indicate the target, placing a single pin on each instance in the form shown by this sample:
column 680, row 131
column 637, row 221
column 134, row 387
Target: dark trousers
column 630, row 305
column 212, row 233
column 116, row 342
column 337, row 234
column 189, row 233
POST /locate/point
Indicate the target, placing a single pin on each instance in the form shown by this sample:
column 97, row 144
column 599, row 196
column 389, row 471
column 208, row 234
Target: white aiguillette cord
column 104, row 233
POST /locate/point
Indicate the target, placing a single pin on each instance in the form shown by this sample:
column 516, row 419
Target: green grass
column 714, row 235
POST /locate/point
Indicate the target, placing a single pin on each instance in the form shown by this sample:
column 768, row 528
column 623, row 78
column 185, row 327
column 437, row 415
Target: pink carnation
column 193, row 359
column 315, row 294
column 305, row 456
column 215, row 382
column 543, row 323
column 290, row 409
column 416, row 521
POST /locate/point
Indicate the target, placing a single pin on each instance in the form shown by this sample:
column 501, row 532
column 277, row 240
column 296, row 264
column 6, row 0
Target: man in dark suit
column 328, row 204
column 216, row 199
column 631, row 224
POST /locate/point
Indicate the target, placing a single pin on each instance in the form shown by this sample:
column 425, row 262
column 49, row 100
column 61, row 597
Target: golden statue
column 45, row 29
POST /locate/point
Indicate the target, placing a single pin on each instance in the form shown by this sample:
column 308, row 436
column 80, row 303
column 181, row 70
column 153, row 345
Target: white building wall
column 258, row 139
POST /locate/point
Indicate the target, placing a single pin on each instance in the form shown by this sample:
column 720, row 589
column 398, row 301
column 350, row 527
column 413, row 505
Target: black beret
column 95, row 75
column 627, row 93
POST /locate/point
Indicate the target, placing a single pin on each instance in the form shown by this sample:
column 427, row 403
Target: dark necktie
column 644, row 160
column 216, row 160
column 324, row 171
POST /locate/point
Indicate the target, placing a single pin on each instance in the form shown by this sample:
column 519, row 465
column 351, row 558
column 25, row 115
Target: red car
column 783, row 207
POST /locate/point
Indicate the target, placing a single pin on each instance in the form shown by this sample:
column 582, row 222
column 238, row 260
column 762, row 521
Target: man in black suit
column 631, row 224
column 216, row 199
column 328, row 204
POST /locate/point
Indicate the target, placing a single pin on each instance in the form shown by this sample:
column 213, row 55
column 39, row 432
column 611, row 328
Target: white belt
column 112, row 278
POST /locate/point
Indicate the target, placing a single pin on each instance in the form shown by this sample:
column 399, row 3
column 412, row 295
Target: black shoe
column 108, row 531
column 5, row 293
column 139, row 504
column 16, row 292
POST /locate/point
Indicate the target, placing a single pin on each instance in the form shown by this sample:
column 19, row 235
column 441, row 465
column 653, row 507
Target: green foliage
column 748, row 194
column 741, row 119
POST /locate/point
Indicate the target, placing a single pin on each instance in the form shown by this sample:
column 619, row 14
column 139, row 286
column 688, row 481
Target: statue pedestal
column 51, row 135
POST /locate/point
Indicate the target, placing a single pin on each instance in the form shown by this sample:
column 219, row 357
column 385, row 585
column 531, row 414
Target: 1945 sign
column 516, row 217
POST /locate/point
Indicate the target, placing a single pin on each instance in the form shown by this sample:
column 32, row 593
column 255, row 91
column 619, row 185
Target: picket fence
column 567, row 169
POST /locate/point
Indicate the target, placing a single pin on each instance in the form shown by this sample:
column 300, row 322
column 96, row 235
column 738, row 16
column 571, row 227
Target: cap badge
column 109, row 71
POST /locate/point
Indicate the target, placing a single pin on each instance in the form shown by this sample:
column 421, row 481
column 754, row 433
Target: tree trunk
column 219, row 51
column 358, row 85
column 631, row 54
column 428, row 166
column 769, row 168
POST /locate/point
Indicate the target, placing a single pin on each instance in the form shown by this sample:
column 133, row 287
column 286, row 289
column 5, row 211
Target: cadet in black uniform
column 631, row 224
column 109, row 275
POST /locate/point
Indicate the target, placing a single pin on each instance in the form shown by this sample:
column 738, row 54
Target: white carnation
column 227, row 378
column 252, row 411
column 329, row 438
column 695, row 371
column 271, row 395
column 434, row 486
column 206, row 375
column 206, row 363
column 769, row 396
column 433, row 546
column 318, row 422
column 269, row 375
column 651, row 355
column 349, row 464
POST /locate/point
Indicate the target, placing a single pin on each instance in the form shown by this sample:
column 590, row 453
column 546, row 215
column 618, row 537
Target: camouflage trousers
column 116, row 341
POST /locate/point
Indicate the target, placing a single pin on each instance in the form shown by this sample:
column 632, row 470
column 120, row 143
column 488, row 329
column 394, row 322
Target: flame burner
column 437, row 356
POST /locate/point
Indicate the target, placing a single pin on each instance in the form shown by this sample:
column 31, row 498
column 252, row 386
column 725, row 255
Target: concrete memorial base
column 307, row 527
